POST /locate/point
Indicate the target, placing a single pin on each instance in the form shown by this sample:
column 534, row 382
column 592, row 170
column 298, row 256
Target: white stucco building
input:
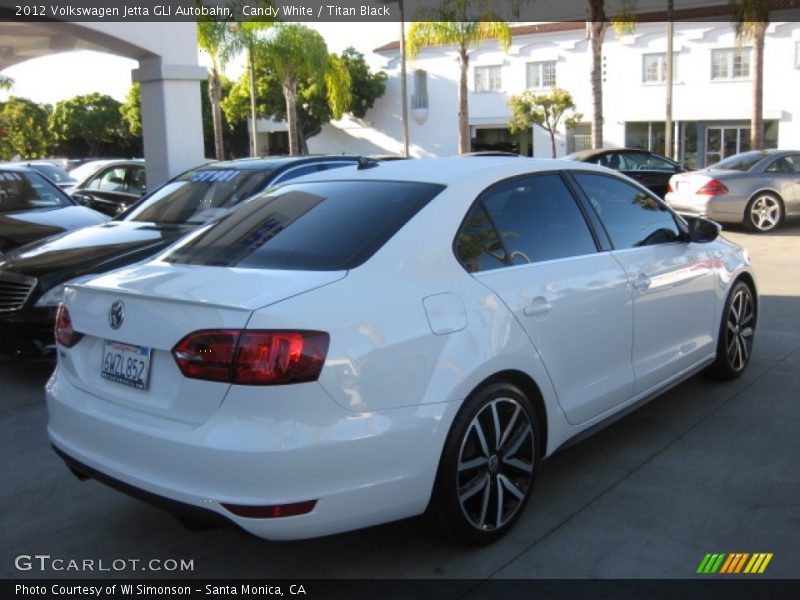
column 712, row 94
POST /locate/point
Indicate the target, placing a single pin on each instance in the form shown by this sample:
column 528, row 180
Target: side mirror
column 702, row 231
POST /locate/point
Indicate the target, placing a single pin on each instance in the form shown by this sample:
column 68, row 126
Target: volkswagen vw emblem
column 116, row 314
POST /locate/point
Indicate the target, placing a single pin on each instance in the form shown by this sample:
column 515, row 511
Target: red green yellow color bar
column 733, row 563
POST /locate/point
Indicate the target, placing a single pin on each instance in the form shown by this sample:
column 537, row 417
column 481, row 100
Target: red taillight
column 65, row 334
column 207, row 354
column 274, row 511
column 712, row 188
column 669, row 188
column 252, row 357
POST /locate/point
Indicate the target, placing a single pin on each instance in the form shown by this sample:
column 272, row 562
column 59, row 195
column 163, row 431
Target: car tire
column 764, row 213
column 736, row 333
column 483, row 483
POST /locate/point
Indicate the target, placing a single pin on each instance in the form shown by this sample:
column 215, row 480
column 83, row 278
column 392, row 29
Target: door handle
column 538, row 306
column 642, row 282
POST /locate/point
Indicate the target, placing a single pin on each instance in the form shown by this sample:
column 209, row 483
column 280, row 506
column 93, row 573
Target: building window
column 541, row 74
column 654, row 68
column 488, row 79
column 730, row 63
column 420, row 97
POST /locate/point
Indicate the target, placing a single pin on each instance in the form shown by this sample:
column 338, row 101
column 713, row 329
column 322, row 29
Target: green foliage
column 463, row 23
column 6, row 83
column 365, row 87
column 547, row 110
column 313, row 98
column 294, row 50
column 131, row 110
column 211, row 38
column 624, row 22
column 23, row 129
column 93, row 119
column 749, row 17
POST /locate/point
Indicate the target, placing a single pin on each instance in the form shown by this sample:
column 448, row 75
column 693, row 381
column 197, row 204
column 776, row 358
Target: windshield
column 740, row 162
column 320, row 226
column 24, row 191
column 52, row 172
column 198, row 196
column 83, row 171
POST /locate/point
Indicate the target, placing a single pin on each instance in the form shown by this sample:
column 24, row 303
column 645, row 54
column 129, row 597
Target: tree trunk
column 215, row 96
column 597, row 31
column 553, row 142
column 757, row 122
column 290, row 93
column 251, row 59
column 463, row 104
column 303, row 143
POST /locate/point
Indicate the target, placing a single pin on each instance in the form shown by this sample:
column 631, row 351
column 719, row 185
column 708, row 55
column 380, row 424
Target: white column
column 172, row 125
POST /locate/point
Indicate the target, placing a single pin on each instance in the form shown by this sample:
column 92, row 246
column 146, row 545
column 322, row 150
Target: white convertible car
column 386, row 340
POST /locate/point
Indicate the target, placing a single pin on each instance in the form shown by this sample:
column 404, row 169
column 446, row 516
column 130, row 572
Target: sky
column 61, row 76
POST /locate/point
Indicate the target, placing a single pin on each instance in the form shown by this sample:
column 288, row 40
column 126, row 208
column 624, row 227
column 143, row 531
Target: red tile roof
column 720, row 12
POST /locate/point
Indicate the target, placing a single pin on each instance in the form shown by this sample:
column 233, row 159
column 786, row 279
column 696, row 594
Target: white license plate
column 126, row 364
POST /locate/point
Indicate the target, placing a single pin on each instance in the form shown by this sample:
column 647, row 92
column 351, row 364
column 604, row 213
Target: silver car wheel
column 765, row 212
column 739, row 329
column 495, row 464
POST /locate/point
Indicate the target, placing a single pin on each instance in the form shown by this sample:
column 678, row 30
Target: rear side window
column 788, row 165
column 632, row 217
column 525, row 220
column 478, row 245
column 320, row 226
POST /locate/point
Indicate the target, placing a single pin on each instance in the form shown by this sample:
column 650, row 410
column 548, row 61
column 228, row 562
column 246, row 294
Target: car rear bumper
column 725, row 209
column 261, row 448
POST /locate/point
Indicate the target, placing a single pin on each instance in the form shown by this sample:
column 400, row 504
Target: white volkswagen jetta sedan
column 386, row 340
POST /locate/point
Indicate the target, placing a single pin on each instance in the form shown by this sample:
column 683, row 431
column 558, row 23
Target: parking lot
column 707, row 467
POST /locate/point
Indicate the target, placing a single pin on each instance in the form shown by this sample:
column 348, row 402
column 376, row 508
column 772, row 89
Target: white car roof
column 452, row 169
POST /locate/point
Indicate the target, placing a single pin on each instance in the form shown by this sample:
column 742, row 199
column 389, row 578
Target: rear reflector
column 274, row 511
column 65, row 334
column 252, row 357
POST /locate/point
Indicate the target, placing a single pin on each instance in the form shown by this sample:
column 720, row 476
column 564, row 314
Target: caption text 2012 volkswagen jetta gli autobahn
column 391, row 339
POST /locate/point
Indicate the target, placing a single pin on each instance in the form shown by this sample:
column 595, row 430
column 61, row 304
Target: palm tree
column 751, row 19
column 296, row 52
column 596, row 26
column 245, row 36
column 211, row 39
column 449, row 25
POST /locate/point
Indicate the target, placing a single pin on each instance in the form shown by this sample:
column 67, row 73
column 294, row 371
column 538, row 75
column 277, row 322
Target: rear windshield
column 740, row 162
column 24, row 191
column 320, row 226
column 198, row 196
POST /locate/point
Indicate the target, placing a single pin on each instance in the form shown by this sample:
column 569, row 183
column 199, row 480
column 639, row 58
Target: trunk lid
column 162, row 304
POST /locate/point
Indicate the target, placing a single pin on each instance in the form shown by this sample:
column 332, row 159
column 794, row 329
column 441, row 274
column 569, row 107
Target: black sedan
column 53, row 172
column 32, row 278
column 109, row 186
column 32, row 208
column 651, row 170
